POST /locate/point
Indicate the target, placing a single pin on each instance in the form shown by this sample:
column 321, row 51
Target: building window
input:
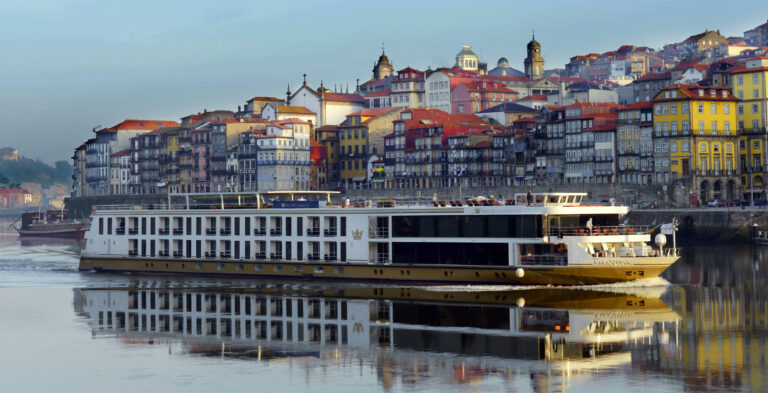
column 713, row 109
column 701, row 108
column 755, row 108
column 684, row 107
column 726, row 109
column 739, row 80
column 755, row 93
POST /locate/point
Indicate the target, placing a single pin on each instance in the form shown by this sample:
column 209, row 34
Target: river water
column 702, row 327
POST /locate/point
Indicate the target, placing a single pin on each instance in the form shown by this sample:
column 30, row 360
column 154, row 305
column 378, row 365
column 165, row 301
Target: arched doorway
column 717, row 189
column 704, row 192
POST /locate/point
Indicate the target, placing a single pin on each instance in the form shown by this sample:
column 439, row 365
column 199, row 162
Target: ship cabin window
column 109, row 226
column 276, row 226
column 164, row 250
column 299, row 226
column 476, row 226
column 189, row 227
column 210, row 247
column 152, row 225
column 331, row 254
column 331, row 228
column 343, row 226
column 314, row 251
column 178, row 226
column 210, row 226
column 288, row 229
column 101, row 225
column 476, row 254
column 177, row 248
column 276, row 248
column 313, row 226
column 544, row 254
column 133, row 229
column 299, row 251
column 259, row 226
column 247, row 229
column 164, row 225
column 198, row 226
column 288, row 249
column 226, row 226
column 120, row 226
column 259, row 249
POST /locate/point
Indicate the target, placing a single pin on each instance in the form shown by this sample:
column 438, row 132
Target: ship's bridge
column 550, row 198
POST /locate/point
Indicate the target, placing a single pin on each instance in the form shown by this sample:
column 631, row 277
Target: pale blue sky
column 69, row 65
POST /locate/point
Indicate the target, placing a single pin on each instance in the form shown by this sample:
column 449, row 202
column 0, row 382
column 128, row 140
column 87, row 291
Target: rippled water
column 701, row 327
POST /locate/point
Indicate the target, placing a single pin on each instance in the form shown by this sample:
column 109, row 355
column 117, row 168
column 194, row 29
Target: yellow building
column 328, row 136
column 750, row 83
column 360, row 136
column 169, row 160
column 697, row 126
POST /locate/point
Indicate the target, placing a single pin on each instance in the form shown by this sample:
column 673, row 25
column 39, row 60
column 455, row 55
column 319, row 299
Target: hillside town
column 689, row 117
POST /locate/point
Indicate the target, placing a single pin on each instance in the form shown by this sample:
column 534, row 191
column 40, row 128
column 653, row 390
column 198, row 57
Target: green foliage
column 35, row 171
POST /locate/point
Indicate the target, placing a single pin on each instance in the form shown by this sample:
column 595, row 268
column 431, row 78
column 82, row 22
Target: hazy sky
column 70, row 65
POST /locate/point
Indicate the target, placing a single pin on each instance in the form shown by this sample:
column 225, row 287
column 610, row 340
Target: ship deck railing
column 544, row 260
column 534, row 200
column 600, row 230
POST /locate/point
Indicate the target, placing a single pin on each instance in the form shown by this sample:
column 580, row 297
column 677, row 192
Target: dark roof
column 509, row 107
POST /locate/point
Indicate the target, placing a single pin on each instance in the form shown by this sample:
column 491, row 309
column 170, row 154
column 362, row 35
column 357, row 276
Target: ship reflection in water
column 407, row 332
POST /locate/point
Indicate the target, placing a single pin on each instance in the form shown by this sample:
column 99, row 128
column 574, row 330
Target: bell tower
column 383, row 68
column 534, row 63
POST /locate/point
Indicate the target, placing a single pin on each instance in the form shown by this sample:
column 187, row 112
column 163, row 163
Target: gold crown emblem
column 357, row 327
column 357, row 234
column 477, row 210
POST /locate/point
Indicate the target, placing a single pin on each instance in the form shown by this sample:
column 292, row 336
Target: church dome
column 503, row 63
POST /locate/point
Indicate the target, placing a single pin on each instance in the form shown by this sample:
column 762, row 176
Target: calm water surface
column 703, row 327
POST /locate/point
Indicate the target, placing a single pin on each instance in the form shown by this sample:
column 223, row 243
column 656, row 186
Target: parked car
column 714, row 203
column 761, row 202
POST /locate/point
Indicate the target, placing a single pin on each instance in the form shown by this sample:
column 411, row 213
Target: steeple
column 534, row 62
column 288, row 94
column 383, row 68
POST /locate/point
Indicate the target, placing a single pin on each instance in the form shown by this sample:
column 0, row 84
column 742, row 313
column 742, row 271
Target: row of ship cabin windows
column 259, row 250
column 331, row 225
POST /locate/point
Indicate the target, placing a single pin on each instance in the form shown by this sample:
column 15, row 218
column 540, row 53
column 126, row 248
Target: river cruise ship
column 532, row 239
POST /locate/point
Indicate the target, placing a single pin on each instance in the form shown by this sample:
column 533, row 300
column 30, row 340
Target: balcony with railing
column 313, row 232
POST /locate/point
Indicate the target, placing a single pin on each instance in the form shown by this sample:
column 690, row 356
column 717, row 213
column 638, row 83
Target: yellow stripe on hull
column 555, row 275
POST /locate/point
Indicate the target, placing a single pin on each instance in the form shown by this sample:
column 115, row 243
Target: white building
column 330, row 107
column 437, row 90
column 283, row 156
column 120, row 172
column 274, row 112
